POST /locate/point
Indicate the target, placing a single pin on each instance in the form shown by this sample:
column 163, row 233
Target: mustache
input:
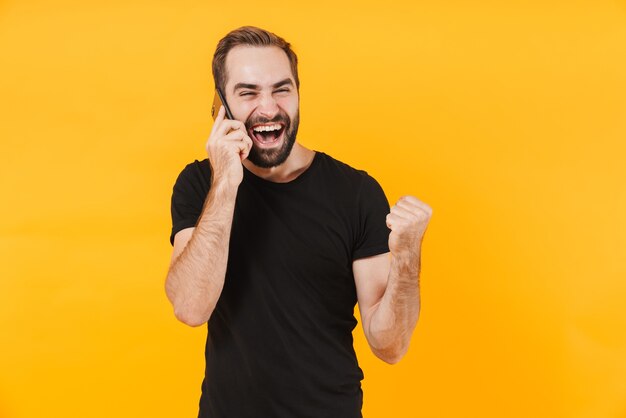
column 280, row 117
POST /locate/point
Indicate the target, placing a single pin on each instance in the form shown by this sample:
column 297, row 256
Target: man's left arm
column 388, row 284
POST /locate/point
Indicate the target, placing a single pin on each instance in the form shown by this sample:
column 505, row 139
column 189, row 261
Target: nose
column 267, row 107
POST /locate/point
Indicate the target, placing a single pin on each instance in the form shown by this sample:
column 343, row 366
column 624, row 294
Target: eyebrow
column 285, row 82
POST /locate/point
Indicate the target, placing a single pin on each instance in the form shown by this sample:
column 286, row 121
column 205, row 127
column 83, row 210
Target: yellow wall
column 508, row 118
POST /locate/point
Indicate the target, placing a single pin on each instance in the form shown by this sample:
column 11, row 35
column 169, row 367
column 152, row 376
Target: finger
column 244, row 154
column 396, row 221
column 403, row 213
column 228, row 125
column 232, row 136
column 236, row 135
column 393, row 221
column 412, row 212
column 411, row 203
column 218, row 119
column 242, row 149
column 248, row 142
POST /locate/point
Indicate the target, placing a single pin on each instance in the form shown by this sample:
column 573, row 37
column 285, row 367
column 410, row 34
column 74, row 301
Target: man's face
column 261, row 91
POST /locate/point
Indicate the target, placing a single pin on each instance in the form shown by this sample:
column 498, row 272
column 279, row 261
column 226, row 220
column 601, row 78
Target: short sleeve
column 373, row 233
column 188, row 196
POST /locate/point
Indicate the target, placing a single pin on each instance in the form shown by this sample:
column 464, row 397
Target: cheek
column 290, row 106
column 243, row 111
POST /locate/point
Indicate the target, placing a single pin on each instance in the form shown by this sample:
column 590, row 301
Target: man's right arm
column 198, row 266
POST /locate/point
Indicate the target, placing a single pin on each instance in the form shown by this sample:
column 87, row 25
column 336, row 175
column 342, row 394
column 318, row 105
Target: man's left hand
column 407, row 220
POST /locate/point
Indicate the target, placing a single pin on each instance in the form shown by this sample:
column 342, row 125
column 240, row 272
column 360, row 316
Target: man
column 275, row 243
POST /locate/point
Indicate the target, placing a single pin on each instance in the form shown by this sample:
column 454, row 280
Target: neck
column 298, row 161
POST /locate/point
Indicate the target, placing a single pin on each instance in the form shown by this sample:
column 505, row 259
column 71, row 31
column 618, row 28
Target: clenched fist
column 407, row 220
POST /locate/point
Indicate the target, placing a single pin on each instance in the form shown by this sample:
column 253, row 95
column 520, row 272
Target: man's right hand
column 227, row 146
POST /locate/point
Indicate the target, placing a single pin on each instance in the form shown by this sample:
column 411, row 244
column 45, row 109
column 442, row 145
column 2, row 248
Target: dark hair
column 250, row 36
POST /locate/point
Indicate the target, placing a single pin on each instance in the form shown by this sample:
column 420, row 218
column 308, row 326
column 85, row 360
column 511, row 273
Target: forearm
column 394, row 318
column 196, row 277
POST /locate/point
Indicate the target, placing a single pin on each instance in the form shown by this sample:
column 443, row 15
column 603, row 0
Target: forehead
column 262, row 66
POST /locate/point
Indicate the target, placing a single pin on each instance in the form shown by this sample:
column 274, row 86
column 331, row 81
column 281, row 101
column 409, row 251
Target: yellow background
column 508, row 118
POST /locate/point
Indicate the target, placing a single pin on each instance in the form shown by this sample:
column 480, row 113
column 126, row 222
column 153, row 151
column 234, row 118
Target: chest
column 295, row 245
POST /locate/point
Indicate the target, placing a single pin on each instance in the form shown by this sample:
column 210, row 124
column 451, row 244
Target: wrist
column 224, row 186
column 406, row 263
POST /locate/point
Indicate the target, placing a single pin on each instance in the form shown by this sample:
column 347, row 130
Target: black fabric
column 279, row 341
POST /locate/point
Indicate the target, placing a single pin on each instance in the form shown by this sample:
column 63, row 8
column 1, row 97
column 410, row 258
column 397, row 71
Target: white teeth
column 267, row 128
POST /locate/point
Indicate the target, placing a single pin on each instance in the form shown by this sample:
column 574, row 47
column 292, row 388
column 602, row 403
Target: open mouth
column 268, row 134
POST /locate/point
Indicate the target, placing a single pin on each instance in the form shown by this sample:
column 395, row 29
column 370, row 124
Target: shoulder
column 353, row 177
column 336, row 167
column 195, row 176
column 197, row 168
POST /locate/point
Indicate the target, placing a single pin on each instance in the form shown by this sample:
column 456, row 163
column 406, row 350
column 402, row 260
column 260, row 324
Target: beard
column 268, row 158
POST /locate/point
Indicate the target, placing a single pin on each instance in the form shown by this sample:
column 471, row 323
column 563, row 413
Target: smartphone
column 218, row 101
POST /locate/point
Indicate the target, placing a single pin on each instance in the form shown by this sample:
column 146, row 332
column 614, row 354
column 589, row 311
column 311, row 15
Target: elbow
column 391, row 358
column 391, row 355
column 190, row 318
column 184, row 310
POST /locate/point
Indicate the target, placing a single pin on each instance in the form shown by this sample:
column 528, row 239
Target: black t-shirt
column 279, row 341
